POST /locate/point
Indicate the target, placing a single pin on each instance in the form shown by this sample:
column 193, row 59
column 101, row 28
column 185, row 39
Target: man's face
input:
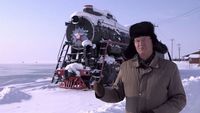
column 144, row 46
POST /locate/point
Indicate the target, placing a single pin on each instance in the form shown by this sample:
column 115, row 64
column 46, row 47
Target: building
column 194, row 58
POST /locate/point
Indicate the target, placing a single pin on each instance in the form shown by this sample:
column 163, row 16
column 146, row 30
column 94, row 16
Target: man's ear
column 160, row 47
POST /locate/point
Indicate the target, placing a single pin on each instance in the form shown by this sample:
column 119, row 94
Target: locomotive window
column 91, row 11
column 109, row 16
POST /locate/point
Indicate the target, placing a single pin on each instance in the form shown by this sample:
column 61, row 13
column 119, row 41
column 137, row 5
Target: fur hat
column 144, row 28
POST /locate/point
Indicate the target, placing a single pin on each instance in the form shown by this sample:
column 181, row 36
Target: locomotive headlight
column 75, row 20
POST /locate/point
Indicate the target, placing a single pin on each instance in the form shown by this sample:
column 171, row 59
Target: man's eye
column 137, row 40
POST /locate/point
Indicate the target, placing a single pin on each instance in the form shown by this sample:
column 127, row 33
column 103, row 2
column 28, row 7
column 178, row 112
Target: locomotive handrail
column 61, row 46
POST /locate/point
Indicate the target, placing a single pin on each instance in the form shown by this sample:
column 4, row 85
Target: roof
column 197, row 52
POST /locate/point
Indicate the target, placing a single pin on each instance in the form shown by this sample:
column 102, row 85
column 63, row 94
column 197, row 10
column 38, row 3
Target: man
column 149, row 83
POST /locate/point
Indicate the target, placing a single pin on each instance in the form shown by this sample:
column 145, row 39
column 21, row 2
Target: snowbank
column 186, row 65
column 12, row 95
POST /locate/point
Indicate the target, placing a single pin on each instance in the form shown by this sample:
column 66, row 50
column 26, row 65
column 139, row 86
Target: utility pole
column 172, row 43
column 179, row 51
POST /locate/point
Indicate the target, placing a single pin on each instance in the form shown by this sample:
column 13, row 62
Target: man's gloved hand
column 99, row 89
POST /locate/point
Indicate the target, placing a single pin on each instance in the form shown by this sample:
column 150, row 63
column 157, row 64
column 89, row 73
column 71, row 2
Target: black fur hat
column 143, row 29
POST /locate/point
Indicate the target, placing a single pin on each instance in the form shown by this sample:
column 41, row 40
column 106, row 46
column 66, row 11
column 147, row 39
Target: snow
column 111, row 23
column 186, row 65
column 4, row 92
column 49, row 99
column 30, row 91
column 187, row 81
column 109, row 59
column 86, row 43
column 74, row 67
column 194, row 56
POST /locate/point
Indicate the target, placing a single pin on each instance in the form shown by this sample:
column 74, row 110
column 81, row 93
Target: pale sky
column 32, row 30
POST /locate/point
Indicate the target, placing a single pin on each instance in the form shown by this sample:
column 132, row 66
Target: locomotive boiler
column 92, row 48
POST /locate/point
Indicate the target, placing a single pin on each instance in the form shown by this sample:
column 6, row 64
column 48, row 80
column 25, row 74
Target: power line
column 187, row 13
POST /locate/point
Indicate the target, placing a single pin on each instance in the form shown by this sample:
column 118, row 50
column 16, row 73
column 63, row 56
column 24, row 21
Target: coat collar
column 154, row 63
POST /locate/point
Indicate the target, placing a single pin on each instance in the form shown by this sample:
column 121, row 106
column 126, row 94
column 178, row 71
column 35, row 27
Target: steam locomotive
column 92, row 48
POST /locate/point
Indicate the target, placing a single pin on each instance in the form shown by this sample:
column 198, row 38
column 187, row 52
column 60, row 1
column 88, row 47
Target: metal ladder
column 61, row 56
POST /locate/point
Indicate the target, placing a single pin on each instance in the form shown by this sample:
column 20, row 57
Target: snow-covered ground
column 27, row 89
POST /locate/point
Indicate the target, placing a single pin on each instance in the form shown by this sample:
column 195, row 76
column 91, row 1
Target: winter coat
column 158, row 87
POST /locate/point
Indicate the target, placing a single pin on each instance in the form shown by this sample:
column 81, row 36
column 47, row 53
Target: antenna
column 172, row 43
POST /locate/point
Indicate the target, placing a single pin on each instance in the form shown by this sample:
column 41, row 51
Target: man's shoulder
column 167, row 62
column 130, row 61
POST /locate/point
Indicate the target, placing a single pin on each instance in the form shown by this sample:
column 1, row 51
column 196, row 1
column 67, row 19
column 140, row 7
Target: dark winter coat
column 156, row 88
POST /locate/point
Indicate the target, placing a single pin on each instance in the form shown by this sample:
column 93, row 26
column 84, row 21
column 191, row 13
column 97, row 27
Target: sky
column 31, row 31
